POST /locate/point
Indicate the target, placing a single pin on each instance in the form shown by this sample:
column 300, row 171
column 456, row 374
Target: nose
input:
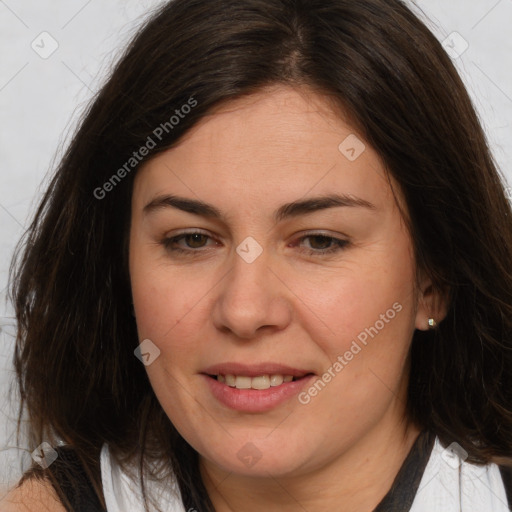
column 252, row 298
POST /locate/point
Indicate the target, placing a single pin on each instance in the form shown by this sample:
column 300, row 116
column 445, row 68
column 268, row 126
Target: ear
column 430, row 304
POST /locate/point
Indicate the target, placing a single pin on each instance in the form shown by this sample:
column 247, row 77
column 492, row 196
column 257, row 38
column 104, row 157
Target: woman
column 273, row 271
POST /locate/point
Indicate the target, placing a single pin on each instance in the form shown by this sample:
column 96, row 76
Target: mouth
column 259, row 382
column 255, row 388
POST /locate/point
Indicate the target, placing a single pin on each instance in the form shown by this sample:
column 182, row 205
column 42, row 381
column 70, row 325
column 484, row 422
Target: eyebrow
column 288, row 210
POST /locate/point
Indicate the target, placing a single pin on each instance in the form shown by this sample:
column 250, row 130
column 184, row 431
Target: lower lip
column 255, row 400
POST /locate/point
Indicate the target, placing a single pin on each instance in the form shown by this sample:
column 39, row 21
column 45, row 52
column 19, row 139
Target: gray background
column 42, row 98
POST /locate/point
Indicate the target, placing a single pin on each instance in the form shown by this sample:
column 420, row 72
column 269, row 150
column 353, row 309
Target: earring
column 432, row 323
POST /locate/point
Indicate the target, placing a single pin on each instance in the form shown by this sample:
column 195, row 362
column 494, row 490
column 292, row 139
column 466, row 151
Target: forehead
column 273, row 146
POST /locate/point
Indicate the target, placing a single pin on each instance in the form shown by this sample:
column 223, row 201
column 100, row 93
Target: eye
column 195, row 241
column 321, row 244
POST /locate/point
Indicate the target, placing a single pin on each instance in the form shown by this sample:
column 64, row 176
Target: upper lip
column 254, row 370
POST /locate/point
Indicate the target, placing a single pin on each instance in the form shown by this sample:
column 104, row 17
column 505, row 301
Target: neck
column 354, row 481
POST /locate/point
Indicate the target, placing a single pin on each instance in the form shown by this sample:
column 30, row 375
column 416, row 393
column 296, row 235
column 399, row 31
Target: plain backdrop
column 42, row 97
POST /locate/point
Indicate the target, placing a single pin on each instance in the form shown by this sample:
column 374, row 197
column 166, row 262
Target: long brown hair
column 376, row 61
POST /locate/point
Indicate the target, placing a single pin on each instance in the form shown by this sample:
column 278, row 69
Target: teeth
column 259, row 382
column 276, row 380
column 242, row 382
column 262, row 382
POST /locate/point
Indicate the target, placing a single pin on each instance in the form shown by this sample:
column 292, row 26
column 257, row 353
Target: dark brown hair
column 377, row 62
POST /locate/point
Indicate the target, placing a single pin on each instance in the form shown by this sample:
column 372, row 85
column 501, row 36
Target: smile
column 258, row 382
column 254, row 389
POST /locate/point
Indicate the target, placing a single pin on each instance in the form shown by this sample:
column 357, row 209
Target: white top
column 448, row 485
column 123, row 493
column 451, row 485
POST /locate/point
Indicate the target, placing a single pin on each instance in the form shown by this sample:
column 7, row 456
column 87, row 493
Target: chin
column 259, row 459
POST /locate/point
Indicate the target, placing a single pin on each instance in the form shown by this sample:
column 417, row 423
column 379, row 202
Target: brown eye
column 193, row 242
column 320, row 242
column 322, row 245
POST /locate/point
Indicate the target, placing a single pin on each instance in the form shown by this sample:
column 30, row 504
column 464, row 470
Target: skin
column 248, row 157
column 31, row 496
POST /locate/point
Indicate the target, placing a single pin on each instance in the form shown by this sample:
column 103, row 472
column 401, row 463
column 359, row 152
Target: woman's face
column 302, row 267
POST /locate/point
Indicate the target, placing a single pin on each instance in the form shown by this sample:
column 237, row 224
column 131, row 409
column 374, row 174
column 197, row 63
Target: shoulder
column 450, row 482
column 62, row 486
column 32, row 495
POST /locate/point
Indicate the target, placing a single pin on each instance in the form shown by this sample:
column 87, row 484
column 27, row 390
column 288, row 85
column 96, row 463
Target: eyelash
column 338, row 244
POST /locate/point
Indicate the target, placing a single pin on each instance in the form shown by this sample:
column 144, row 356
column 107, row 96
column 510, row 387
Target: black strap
column 78, row 490
column 72, row 484
column 405, row 486
column 506, row 476
column 76, row 487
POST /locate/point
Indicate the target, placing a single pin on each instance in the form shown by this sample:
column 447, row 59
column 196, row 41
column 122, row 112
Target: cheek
column 368, row 293
column 371, row 322
column 163, row 296
column 368, row 315
column 167, row 311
